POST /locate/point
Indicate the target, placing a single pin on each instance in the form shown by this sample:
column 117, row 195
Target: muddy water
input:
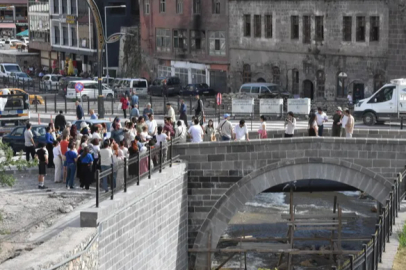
column 261, row 218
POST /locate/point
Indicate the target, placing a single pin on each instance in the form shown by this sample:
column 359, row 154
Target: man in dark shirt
column 199, row 112
column 60, row 121
column 42, row 156
column 79, row 110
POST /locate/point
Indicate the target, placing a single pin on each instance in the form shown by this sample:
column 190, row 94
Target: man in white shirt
column 171, row 113
column 349, row 97
column 344, row 123
column 196, row 132
column 152, row 125
column 241, row 131
column 225, row 129
column 321, row 117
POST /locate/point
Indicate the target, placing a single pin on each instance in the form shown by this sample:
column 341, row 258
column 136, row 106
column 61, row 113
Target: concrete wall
column 58, row 250
column 22, row 59
column 145, row 228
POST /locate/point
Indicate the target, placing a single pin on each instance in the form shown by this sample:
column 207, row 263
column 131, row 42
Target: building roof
column 13, row 2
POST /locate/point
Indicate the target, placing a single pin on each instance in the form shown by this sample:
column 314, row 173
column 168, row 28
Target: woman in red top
column 124, row 105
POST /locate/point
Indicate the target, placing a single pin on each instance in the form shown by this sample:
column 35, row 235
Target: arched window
column 276, row 75
column 321, row 79
column 295, row 81
column 379, row 81
column 261, row 79
column 246, row 73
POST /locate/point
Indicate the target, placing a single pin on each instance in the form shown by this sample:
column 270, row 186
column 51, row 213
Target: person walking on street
column 199, row 110
column 60, row 121
column 71, row 158
column 124, row 105
column 344, row 120
column 134, row 99
column 290, row 124
column 321, row 117
column 313, row 128
column 263, row 134
column 106, row 160
column 225, row 129
column 42, row 156
column 210, row 131
column 49, row 145
column 196, row 132
column 147, row 110
column 93, row 115
column 171, row 113
column 29, row 142
column 79, row 110
column 336, row 129
column 349, row 126
column 183, row 111
column 134, row 111
column 57, row 162
column 241, row 131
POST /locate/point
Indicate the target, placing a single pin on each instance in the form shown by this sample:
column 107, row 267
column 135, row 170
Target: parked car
column 109, row 80
column 263, row 90
column 116, row 83
column 63, row 83
column 90, row 90
column 201, row 89
column 50, row 82
column 21, row 79
column 26, row 40
column 15, row 139
column 32, row 98
column 7, row 68
column 2, row 42
column 92, row 122
column 130, row 85
column 165, row 86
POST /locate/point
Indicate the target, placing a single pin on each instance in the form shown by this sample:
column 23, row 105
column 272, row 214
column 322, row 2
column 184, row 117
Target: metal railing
column 156, row 155
column 372, row 251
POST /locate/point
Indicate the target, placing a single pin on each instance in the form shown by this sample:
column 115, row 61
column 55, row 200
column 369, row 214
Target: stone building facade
column 317, row 49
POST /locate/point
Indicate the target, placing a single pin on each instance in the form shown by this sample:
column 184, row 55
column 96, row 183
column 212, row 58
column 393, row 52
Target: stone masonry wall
column 146, row 228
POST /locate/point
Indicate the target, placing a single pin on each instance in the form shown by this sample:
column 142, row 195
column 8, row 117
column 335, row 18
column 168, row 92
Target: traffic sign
column 79, row 87
column 219, row 99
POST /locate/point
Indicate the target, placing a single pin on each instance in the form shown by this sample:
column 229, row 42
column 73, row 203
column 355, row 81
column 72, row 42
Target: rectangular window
column 162, row 6
column 180, row 40
column 197, row 41
column 164, row 71
column 294, row 28
column 179, row 6
column 147, row 6
column 306, row 29
column 257, row 26
column 163, row 40
column 56, row 6
column 374, row 28
column 347, row 28
column 217, row 43
column 295, row 82
column 65, row 36
column 74, row 37
column 319, row 33
column 247, row 25
column 196, row 6
column 216, row 7
column 183, row 75
column 73, row 7
column 64, row 6
column 268, row 26
column 360, row 29
column 57, row 35
column 198, row 75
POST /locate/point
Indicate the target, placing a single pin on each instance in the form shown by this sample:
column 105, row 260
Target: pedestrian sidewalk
column 388, row 257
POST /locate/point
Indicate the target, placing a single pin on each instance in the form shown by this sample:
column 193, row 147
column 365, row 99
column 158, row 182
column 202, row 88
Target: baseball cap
column 226, row 115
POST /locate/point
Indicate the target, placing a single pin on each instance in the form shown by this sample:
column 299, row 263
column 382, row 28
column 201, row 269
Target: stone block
column 216, row 158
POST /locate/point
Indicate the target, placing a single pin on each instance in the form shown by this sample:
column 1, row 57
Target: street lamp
column 105, row 29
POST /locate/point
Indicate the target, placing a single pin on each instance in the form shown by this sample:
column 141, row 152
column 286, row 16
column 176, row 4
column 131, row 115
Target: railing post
column 149, row 163
column 112, row 106
column 171, row 149
column 365, row 256
column 401, row 122
column 378, row 244
column 111, row 183
column 66, row 105
column 352, row 262
column 373, row 266
column 390, row 223
column 56, row 111
column 97, row 187
column 160, row 157
column 45, row 99
column 190, row 105
column 88, row 106
column 139, row 168
column 125, row 174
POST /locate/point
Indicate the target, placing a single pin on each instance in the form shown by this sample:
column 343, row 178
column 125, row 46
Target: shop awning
column 7, row 25
column 23, row 33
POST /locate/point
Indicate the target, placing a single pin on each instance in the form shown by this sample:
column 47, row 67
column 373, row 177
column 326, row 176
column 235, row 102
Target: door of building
column 358, row 92
column 308, row 89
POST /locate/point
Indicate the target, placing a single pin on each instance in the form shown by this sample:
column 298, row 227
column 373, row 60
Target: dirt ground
column 24, row 214
column 400, row 260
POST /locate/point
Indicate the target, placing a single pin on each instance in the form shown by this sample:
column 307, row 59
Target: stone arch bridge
column 223, row 176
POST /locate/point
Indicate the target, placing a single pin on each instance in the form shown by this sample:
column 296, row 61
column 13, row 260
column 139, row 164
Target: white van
column 385, row 104
column 7, row 69
column 140, row 86
column 90, row 90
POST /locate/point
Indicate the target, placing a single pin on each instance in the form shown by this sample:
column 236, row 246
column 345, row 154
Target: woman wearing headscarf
column 86, row 172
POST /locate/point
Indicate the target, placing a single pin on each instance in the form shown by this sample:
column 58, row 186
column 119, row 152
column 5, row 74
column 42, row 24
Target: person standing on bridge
column 225, row 129
column 134, row 99
column 171, row 113
column 183, row 111
column 93, row 115
column 336, row 130
column 124, row 105
column 263, row 134
column 60, row 121
column 199, row 111
column 241, row 131
column 79, row 110
column 313, row 128
column 349, row 127
column 196, row 132
column 42, row 156
column 344, row 119
column 290, row 124
column 321, row 117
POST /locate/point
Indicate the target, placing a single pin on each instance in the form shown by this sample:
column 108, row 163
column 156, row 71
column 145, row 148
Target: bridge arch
column 279, row 173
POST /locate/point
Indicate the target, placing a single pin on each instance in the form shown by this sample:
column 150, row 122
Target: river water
column 261, row 218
